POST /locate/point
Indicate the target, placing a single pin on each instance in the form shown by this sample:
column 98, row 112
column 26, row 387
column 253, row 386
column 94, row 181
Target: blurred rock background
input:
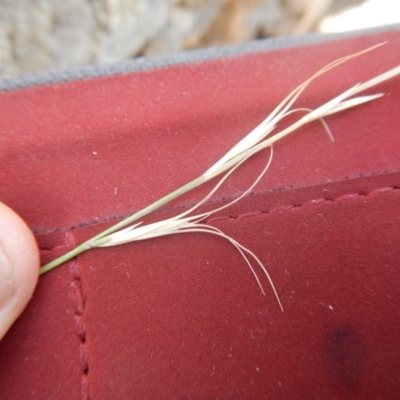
column 49, row 34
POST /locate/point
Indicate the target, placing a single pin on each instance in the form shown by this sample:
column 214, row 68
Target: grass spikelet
column 257, row 140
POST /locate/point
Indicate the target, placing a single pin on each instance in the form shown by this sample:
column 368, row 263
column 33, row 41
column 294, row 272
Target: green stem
column 95, row 242
column 100, row 239
column 66, row 257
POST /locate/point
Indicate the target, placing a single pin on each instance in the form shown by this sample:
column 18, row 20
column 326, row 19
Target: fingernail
column 7, row 286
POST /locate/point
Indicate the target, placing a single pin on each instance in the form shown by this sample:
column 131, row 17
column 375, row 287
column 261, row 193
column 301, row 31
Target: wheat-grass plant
column 257, row 140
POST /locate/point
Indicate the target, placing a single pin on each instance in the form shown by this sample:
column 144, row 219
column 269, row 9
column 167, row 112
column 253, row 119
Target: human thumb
column 19, row 267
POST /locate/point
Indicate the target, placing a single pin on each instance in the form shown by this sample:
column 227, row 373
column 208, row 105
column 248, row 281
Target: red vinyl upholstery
column 182, row 317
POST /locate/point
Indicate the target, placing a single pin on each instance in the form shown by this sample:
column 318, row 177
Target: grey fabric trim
column 184, row 57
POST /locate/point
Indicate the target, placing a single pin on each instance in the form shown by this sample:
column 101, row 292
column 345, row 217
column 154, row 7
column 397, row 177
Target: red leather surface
column 182, row 316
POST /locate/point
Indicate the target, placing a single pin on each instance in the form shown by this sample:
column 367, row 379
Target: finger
column 19, row 267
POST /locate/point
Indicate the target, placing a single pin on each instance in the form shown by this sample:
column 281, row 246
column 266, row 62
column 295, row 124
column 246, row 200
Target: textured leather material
column 182, row 316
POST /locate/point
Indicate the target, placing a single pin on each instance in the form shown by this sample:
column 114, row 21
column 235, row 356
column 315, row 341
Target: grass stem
column 252, row 143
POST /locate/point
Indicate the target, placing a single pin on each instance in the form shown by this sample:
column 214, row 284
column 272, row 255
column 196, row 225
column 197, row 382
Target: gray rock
column 50, row 34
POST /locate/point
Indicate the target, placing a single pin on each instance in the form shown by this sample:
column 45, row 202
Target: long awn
column 257, row 140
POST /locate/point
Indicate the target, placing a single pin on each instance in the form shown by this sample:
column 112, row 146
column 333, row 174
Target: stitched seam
column 96, row 221
column 286, row 208
column 245, row 215
column 79, row 302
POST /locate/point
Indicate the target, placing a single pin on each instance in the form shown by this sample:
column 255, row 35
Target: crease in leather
column 111, row 218
column 280, row 209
